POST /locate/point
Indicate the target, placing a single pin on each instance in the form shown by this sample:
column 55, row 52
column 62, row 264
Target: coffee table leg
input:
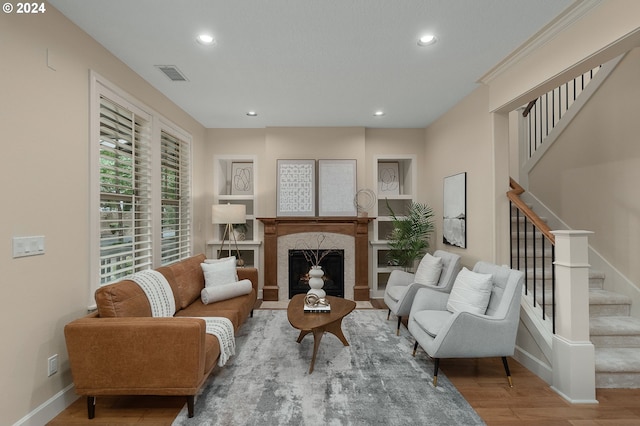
column 317, row 336
column 302, row 334
column 335, row 328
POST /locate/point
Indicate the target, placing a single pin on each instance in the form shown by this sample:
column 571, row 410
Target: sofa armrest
column 152, row 356
column 250, row 274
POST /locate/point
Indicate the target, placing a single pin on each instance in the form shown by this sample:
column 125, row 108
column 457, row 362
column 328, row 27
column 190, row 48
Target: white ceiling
column 313, row 62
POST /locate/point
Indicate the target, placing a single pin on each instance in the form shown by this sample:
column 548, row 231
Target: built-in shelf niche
column 399, row 199
column 230, row 169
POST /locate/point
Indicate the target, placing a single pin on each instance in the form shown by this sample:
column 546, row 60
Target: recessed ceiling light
column 206, row 39
column 427, row 40
column 252, row 114
column 378, row 113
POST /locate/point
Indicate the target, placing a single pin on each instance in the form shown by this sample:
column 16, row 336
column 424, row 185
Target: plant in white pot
column 409, row 238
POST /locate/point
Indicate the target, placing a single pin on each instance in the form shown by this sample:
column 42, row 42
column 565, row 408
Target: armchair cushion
column 429, row 270
column 432, row 321
column 470, row 293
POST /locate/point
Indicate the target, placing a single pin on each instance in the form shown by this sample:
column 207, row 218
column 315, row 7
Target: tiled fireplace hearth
column 282, row 234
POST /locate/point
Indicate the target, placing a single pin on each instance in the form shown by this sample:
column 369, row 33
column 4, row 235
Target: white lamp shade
column 228, row 213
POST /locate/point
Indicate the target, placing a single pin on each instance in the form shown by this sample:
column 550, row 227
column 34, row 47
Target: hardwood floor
column 481, row 381
column 531, row 401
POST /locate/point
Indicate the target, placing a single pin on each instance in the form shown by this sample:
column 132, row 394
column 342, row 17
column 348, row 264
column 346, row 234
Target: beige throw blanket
column 222, row 328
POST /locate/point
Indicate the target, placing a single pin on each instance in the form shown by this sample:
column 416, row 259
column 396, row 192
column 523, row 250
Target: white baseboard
column 534, row 365
column 46, row 411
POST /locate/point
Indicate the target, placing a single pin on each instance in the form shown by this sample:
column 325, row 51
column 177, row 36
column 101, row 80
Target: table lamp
column 229, row 215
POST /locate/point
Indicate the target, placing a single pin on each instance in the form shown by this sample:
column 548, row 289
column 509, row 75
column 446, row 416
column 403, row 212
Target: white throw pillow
column 222, row 259
column 225, row 291
column 221, row 272
column 470, row 293
column 429, row 270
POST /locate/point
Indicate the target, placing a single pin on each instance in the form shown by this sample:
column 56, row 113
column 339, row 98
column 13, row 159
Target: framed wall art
column 296, row 194
column 388, row 178
column 454, row 229
column 241, row 178
column 337, row 187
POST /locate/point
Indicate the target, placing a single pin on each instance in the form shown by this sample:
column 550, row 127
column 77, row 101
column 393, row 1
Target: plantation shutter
column 176, row 198
column 125, row 192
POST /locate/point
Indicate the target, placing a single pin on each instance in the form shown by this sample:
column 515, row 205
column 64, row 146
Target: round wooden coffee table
column 318, row 323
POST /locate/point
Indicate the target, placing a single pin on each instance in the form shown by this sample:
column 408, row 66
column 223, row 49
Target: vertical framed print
column 241, row 178
column 296, row 191
column 337, row 188
column 388, row 178
column 454, row 229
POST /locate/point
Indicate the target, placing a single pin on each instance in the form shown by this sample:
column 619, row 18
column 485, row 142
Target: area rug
column 374, row 381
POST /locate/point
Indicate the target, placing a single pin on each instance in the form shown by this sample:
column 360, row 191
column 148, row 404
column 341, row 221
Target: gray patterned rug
column 374, row 381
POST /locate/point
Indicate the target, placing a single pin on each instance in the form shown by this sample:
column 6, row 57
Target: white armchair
column 401, row 286
column 461, row 334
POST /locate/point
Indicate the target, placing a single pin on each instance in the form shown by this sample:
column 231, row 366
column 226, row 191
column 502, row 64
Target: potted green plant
column 409, row 239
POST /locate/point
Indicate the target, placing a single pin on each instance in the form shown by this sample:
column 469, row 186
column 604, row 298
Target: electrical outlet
column 52, row 365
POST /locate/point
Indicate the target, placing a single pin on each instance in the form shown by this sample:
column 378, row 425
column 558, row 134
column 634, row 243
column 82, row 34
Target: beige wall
column 601, row 31
column 274, row 143
column 461, row 141
column 307, row 143
column 44, row 119
column 589, row 177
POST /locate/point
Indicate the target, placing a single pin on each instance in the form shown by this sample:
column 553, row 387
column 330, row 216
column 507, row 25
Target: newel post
column 573, row 353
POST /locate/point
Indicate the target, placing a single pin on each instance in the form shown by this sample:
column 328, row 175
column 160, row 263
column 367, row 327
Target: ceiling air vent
column 172, row 72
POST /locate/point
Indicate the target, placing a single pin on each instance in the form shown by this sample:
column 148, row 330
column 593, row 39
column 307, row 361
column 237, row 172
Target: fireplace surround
column 283, row 231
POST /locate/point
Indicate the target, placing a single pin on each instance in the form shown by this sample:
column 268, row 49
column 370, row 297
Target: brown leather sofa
column 120, row 349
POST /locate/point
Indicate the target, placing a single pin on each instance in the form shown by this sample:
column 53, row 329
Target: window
column 176, row 198
column 140, row 175
column 125, row 192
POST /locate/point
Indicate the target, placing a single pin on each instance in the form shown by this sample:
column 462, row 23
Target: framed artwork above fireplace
column 337, row 187
column 296, row 187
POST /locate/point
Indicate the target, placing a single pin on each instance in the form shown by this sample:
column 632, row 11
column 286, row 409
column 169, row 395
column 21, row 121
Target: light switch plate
column 28, row 246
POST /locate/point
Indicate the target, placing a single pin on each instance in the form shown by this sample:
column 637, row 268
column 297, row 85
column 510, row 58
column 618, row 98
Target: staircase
column 614, row 333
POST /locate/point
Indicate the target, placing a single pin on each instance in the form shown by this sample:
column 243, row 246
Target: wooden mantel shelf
column 357, row 227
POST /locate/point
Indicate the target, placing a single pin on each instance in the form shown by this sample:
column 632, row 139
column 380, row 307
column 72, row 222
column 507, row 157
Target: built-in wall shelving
column 234, row 183
column 395, row 180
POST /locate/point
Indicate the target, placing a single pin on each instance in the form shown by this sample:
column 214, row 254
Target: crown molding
column 570, row 15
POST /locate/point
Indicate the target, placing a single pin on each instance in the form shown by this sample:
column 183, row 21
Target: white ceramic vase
column 316, row 282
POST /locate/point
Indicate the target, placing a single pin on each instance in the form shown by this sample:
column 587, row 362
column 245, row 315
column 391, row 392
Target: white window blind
column 175, row 183
column 125, row 192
